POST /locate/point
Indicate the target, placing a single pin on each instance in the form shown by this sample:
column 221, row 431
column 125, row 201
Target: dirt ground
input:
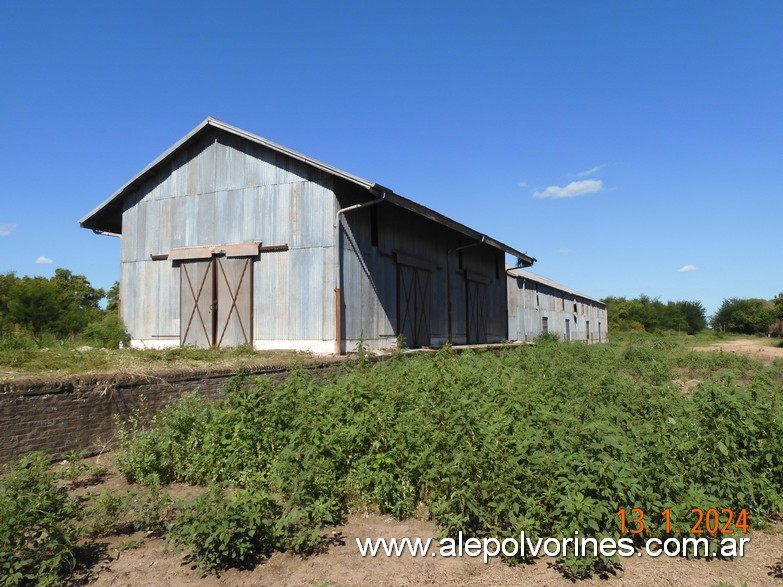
column 342, row 565
column 762, row 349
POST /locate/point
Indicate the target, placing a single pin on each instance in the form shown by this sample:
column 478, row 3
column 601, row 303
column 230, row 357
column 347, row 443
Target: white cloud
column 44, row 260
column 591, row 171
column 523, row 184
column 686, row 268
column 565, row 251
column 6, row 229
column 575, row 188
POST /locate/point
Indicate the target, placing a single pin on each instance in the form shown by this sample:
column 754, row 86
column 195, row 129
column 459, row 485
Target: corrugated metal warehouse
column 229, row 239
column 539, row 305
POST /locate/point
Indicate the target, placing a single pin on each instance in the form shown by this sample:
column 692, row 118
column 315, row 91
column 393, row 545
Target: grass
column 68, row 359
column 63, row 358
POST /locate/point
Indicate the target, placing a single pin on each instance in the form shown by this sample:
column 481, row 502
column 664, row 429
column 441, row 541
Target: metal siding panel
column 129, row 238
column 141, row 235
column 192, row 170
column 178, row 182
column 305, row 295
column 328, row 300
column 250, row 216
column 228, row 217
column 167, row 277
column 151, row 242
column 206, row 169
column 129, row 292
column 179, row 228
column 200, row 219
column 270, row 287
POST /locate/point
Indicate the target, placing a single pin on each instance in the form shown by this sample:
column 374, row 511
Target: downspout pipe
column 448, row 278
column 338, row 270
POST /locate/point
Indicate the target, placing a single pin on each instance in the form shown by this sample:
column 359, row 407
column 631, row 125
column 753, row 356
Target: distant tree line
column 735, row 315
column 750, row 316
column 652, row 315
column 62, row 307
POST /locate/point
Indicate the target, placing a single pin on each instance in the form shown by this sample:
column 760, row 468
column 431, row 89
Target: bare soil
column 765, row 350
column 342, row 565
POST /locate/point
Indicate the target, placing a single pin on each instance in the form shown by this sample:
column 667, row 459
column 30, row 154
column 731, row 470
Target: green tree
column 113, row 298
column 77, row 300
column 777, row 304
column 33, row 304
column 744, row 316
column 650, row 314
column 694, row 315
column 7, row 282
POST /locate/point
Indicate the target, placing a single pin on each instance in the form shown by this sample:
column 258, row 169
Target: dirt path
column 762, row 349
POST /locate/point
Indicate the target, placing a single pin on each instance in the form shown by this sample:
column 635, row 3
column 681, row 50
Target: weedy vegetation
column 550, row 439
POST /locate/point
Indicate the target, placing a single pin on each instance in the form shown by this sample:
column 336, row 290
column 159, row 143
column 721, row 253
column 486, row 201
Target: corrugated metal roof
column 106, row 216
column 550, row 283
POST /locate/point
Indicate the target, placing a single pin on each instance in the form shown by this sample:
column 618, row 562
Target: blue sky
column 616, row 142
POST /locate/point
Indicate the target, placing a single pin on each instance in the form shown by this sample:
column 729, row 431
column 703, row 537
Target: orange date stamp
column 710, row 521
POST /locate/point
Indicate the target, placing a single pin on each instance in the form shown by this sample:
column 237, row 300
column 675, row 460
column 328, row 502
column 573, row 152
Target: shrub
column 105, row 513
column 547, row 337
column 221, row 532
column 107, row 332
column 548, row 439
column 37, row 534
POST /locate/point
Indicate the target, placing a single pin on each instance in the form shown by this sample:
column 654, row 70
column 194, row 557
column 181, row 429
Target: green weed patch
column 550, row 440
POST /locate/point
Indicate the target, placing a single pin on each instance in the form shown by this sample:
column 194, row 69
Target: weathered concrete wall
column 80, row 414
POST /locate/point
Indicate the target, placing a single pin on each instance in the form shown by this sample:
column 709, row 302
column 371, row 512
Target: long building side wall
column 224, row 190
column 376, row 247
column 534, row 307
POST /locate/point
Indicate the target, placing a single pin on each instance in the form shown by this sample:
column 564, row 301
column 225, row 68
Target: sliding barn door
column 414, row 299
column 196, row 303
column 235, row 301
column 216, row 302
column 476, row 311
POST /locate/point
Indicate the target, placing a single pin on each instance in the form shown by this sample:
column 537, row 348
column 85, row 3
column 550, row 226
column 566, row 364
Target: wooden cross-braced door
column 216, row 302
column 414, row 302
column 476, row 300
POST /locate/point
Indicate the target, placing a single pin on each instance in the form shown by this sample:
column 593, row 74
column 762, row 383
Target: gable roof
column 107, row 216
column 516, row 272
